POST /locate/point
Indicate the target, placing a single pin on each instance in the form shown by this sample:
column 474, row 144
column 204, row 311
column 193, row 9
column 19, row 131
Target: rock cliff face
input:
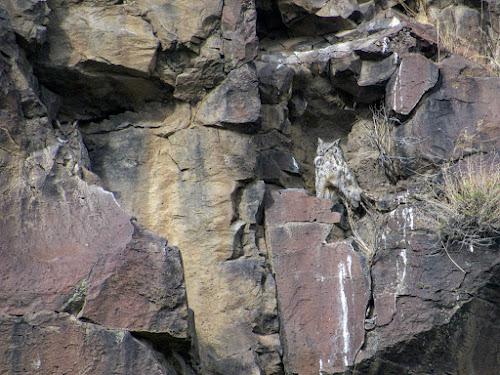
column 124, row 123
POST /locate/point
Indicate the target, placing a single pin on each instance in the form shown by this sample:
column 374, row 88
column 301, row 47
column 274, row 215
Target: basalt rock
column 106, row 50
column 177, row 24
column 459, row 118
column 110, row 35
column 239, row 32
column 307, row 17
column 218, row 228
column 414, row 77
column 275, row 82
column 421, row 298
column 237, row 99
column 323, row 304
column 48, row 342
column 58, row 264
column 29, row 19
column 67, row 246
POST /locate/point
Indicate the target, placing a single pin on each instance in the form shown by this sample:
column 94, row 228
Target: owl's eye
column 318, row 161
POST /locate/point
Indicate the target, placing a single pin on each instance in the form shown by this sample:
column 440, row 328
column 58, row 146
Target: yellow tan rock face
column 105, row 35
column 192, row 186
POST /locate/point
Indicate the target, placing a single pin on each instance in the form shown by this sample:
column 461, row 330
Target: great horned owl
column 333, row 175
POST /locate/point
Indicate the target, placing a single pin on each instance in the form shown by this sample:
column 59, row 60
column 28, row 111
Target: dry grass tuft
column 417, row 11
column 448, row 38
column 490, row 55
column 467, row 209
column 486, row 51
column 367, row 240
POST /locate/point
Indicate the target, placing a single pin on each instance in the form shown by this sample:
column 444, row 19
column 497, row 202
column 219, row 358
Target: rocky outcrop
column 29, row 19
column 459, row 118
column 47, row 342
column 421, row 298
column 237, row 100
column 323, row 303
column 218, row 228
column 415, row 76
column 342, row 312
column 176, row 24
column 70, row 251
column 112, row 36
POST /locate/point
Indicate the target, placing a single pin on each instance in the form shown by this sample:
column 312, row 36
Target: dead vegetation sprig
column 366, row 244
column 417, row 11
column 466, row 209
column 379, row 132
column 491, row 52
column 448, row 39
column 485, row 51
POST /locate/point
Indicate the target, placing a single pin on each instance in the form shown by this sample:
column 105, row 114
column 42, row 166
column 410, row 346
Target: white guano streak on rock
column 401, row 279
column 396, row 91
column 409, row 217
column 128, row 31
column 408, row 221
column 400, row 91
column 349, row 265
column 385, row 45
column 37, row 362
column 345, row 314
column 394, row 22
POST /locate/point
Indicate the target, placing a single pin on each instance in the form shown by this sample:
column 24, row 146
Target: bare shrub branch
column 379, row 132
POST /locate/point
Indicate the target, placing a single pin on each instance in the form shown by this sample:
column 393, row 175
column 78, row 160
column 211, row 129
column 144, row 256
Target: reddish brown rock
column 426, row 310
column 414, row 77
column 54, row 253
column 323, row 289
column 460, row 117
column 73, row 245
column 57, row 344
column 140, row 288
column 296, row 205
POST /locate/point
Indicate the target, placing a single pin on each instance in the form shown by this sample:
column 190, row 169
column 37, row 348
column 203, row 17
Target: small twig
column 449, row 256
